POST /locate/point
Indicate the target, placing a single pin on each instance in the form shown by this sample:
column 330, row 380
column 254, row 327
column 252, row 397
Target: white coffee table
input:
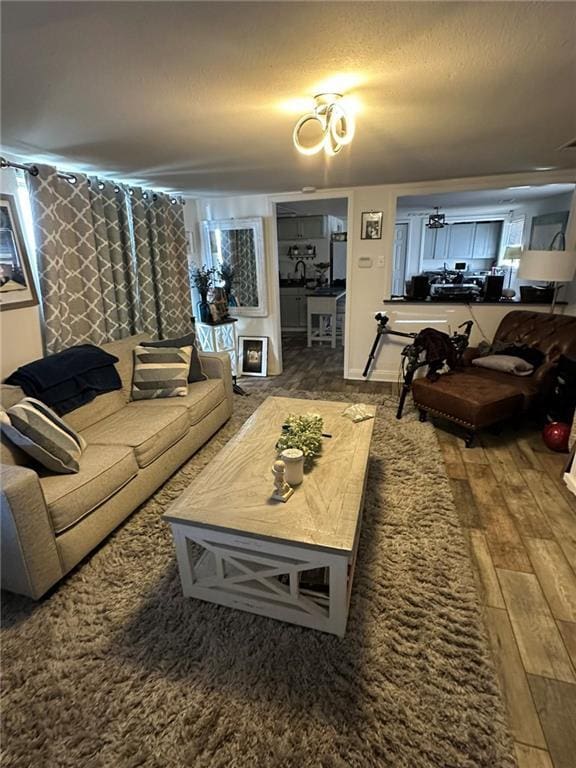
column 237, row 547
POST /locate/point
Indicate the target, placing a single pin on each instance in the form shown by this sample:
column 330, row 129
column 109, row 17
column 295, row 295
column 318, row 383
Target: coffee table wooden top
column 233, row 492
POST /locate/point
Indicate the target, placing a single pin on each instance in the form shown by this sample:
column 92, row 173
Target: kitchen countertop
column 502, row 302
column 333, row 291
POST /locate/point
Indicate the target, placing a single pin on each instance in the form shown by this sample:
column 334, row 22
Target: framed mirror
column 239, row 245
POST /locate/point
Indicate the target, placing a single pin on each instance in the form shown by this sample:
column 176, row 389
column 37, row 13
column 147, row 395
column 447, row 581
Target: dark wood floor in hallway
column 520, row 521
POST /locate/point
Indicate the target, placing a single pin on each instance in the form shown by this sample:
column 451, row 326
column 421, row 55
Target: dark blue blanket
column 69, row 379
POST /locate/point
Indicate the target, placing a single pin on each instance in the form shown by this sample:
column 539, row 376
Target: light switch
column 364, row 262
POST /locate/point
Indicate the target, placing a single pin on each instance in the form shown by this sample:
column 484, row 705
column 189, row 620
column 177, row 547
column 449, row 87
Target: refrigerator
column 337, row 260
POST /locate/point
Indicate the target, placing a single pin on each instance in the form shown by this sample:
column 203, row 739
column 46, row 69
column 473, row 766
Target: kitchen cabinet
column 435, row 244
column 301, row 227
column 293, row 307
column 487, row 239
column 463, row 241
column 288, row 228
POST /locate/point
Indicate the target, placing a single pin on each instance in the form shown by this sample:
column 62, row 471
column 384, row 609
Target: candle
column 294, row 460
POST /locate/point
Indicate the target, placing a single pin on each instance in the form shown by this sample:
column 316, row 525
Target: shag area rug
column 115, row 669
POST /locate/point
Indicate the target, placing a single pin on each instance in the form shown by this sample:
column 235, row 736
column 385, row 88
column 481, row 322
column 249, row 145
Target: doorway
column 312, row 264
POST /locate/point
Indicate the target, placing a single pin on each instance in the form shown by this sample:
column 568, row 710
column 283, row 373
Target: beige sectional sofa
column 50, row 522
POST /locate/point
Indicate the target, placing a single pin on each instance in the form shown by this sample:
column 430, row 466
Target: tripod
column 412, row 353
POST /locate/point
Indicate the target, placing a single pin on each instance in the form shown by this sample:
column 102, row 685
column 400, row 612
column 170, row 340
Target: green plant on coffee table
column 303, row 432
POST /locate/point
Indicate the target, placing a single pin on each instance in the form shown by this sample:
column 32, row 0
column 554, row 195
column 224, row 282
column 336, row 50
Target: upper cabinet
column 436, row 244
column 302, row 227
column 487, row 239
column 463, row 241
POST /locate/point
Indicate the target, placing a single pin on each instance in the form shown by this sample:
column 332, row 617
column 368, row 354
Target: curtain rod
column 34, row 171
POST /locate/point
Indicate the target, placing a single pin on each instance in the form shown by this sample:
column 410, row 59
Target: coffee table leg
column 262, row 577
column 338, row 610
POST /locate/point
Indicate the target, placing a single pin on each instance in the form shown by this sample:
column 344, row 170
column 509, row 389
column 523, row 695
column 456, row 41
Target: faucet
column 303, row 275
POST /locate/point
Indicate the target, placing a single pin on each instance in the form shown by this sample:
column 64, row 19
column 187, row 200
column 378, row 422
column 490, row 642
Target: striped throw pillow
column 160, row 372
column 196, row 372
column 43, row 435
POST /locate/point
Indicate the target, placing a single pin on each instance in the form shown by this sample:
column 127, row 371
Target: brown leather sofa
column 477, row 397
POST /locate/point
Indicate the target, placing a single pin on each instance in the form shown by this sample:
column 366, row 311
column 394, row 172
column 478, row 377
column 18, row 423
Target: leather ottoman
column 467, row 399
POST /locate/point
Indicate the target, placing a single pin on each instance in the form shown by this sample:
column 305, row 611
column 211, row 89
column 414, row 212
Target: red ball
column 555, row 436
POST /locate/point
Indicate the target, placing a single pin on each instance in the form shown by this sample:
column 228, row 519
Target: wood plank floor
column 520, row 521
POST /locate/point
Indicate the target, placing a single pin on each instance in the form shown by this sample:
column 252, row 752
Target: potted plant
column 202, row 279
column 304, row 433
column 321, row 269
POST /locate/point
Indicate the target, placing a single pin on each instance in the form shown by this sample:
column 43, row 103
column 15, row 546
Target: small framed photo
column 17, row 287
column 253, row 355
column 371, row 225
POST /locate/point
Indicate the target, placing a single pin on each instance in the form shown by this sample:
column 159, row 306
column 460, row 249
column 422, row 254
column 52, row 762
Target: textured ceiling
column 483, row 197
column 197, row 96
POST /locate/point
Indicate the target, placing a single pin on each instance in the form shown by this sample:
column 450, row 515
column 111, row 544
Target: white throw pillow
column 505, row 363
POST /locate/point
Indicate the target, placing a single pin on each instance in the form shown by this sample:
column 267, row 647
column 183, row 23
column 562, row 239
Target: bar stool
column 324, row 310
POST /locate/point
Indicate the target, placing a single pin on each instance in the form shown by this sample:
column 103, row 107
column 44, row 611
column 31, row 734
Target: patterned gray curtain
column 100, row 279
column 161, row 263
column 67, row 260
column 114, row 255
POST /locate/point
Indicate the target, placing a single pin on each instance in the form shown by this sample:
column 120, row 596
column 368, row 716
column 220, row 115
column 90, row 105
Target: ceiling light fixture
column 436, row 220
column 336, row 124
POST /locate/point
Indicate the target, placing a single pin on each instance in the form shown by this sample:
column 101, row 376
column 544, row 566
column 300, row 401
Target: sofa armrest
column 217, row 365
column 30, row 560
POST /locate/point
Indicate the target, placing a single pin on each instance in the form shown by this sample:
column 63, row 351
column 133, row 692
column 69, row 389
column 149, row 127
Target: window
column 25, row 211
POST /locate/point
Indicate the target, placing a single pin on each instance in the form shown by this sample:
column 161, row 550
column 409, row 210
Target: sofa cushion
column 202, row 397
column 149, row 432
column 103, row 471
column 474, row 401
column 527, row 386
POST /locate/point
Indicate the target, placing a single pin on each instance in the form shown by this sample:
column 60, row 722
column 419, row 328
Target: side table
column 221, row 337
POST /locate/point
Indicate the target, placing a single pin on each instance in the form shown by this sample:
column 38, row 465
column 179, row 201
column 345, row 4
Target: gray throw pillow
column 505, row 363
column 196, row 373
column 43, row 435
column 160, row 372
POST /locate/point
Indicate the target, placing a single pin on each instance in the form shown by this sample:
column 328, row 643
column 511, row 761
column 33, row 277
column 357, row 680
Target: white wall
column 20, row 330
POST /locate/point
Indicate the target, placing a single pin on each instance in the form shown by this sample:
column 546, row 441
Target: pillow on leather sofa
column 504, row 363
column 530, row 354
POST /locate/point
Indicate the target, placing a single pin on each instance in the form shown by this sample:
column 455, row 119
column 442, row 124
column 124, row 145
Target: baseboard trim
column 355, row 374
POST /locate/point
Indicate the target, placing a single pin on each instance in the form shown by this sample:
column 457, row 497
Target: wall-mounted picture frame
column 371, row 228
column 17, row 288
column 253, row 354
